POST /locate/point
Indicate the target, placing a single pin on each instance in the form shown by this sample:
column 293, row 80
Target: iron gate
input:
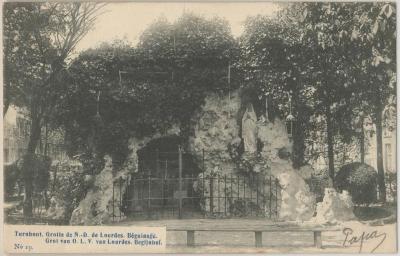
column 196, row 197
column 163, row 188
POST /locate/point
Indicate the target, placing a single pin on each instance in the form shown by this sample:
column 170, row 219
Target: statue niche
column 249, row 129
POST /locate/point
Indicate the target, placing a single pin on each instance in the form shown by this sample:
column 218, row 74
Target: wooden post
column 317, row 239
column 190, row 238
column 180, row 181
column 258, row 237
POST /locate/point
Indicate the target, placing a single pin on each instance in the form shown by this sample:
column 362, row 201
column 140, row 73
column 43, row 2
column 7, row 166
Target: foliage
column 333, row 58
column 69, row 187
column 164, row 80
column 40, row 168
column 11, row 176
column 39, row 37
column 243, row 208
column 360, row 180
column 317, row 183
column 274, row 61
column 391, row 183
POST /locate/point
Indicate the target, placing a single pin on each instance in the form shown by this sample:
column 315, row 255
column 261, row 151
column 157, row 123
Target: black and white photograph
column 235, row 126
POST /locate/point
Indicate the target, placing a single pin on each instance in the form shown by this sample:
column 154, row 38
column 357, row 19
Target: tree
column 297, row 58
column 39, row 37
column 146, row 89
column 357, row 42
column 375, row 31
column 322, row 53
column 274, row 58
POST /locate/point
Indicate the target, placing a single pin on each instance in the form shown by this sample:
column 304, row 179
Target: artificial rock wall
column 97, row 207
column 217, row 130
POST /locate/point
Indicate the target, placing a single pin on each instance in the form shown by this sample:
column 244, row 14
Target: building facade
column 16, row 129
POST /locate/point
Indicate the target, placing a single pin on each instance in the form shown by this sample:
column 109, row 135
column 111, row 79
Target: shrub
column 38, row 173
column 360, row 180
column 318, row 181
column 391, row 186
column 12, row 174
column 70, row 187
column 243, row 208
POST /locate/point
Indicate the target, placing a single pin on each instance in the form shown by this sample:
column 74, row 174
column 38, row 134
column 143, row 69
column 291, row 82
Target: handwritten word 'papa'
column 351, row 239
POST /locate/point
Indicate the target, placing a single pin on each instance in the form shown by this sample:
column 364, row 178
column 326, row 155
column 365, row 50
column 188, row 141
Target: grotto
column 235, row 163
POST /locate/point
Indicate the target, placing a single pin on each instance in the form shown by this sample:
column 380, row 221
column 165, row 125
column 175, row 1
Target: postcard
column 199, row 127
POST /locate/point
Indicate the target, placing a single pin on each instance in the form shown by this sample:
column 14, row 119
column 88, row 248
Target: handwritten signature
column 351, row 239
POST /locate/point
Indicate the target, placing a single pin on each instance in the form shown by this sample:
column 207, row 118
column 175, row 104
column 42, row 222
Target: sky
column 129, row 20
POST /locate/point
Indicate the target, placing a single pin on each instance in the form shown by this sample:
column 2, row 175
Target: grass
column 366, row 213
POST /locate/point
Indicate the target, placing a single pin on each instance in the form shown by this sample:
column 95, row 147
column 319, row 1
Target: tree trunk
column 329, row 134
column 46, row 140
column 28, row 163
column 379, row 155
column 298, row 133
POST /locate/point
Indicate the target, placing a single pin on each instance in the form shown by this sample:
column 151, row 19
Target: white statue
column 249, row 129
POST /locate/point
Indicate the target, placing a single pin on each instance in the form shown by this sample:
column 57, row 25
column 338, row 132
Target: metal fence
column 196, row 197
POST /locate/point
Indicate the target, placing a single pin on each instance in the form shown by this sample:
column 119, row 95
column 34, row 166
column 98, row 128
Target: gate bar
column 180, row 181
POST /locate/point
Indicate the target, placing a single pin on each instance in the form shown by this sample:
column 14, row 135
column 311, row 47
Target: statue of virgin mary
column 249, row 129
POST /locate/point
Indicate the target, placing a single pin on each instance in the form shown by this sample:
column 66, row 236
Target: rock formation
column 217, row 131
column 219, row 149
column 98, row 206
column 335, row 208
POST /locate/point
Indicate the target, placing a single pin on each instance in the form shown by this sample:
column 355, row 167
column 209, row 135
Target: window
column 6, row 155
column 386, row 132
column 20, row 153
column 388, row 157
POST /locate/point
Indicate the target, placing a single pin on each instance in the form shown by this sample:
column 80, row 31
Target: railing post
column 218, row 195
column 113, row 200
column 132, row 197
column 225, row 192
column 270, row 197
column 257, row 181
column 203, row 159
column 211, row 194
column 276, row 197
column 165, row 186
column 244, row 195
column 120, row 197
column 157, row 161
column 180, row 181
column 149, row 197
column 204, row 192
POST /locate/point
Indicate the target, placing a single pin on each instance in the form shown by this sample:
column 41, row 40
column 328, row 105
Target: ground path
column 288, row 242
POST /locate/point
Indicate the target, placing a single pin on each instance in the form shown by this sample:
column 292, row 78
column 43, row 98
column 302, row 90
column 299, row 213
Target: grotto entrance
column 163, row 185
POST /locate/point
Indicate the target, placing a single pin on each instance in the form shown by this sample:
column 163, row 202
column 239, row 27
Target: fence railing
column 189, row 196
